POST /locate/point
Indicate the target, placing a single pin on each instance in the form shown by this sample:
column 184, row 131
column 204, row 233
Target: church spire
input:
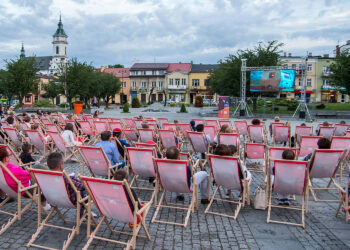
column 22, row 55
column 60, row 30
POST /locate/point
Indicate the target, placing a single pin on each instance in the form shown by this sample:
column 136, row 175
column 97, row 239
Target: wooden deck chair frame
column 244, row 186
column 264, row 165
column 312, row 188
column 242, row 130
column 263, row 133
column 272, row 127
column 11, row 140
column 140, row 132
column 81, row 203
column 140, row 214
column 135, row 177
column 46, row 146
column 344, row 200
column 16, row 160
column 18, row 197
column 326, row 128
column 194, row 200
column 147, row 145
column 111, row 168
column 88, row 131
column 164, row 148
column 68, row 152
column 301, row 143
column 304, row 206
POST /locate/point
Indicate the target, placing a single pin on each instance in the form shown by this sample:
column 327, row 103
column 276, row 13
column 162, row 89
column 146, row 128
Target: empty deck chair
column 131, row 135
column 342, row 142
column 302, row 131
column 129, row 123
column 242, row 127
column 210, row 131
column 254, row 152
column 307, row 145
column 324, row 164
column 326, row 132
column 172, row 176
column 146, row 134
column 142, row 165
column 29, row 191
column 225, row 172
column 100, row 126
column 168, row 126
column 115, row 200
column 291, row 177
column 213, row 123
column 229, row 139
column 340, row 129
column 67, row 151
column 113, row 125
column 14, row 140
column 184, row 127
column 54, row 186
column 168, row 139
column 256, row 133
column 38, row 142
column 273, row 125
column 97, row 162
column 281, row 134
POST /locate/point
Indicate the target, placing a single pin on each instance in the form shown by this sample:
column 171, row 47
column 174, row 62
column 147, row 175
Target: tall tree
column 22, row 76
column 340, row 69
column 5, row 86
column 116, row 66
column 105, row 86
column 53, row 89
column 225, row 80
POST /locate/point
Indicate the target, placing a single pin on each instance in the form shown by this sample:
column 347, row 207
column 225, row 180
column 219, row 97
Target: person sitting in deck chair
column 110, row 149
column 201, row 177
column 26, row 155
column 323, row 143
column 121, row 175
column 117, row 134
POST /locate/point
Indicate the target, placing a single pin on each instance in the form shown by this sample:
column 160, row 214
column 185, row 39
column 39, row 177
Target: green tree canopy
column 22, row 77
column 5, row 86
column 116, row 66
column 105, row 86
column 340, row 69
column 53, row 89
column 226, row 79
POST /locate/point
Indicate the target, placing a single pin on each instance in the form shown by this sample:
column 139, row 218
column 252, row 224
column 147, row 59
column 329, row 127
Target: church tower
column 59, row 48
column 22, row 55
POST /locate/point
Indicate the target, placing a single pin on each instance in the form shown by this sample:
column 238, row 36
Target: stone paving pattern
column 250, row 230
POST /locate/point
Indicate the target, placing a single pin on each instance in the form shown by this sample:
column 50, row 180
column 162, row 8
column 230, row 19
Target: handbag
column 260, row 198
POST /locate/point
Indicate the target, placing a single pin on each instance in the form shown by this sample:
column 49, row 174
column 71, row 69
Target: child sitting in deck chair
column 121, row 175
column 26, row 155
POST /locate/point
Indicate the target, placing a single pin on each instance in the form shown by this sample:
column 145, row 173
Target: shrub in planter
column 126, row 108
column 44, row 103
column 183, row 108
column 320, row 106
column 198, row 101
column 135, row 103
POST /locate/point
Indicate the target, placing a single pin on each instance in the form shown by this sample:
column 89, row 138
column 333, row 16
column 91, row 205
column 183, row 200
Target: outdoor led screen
column 272, row 80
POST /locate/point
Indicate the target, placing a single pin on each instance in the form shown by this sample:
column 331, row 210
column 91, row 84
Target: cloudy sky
column 126, row 31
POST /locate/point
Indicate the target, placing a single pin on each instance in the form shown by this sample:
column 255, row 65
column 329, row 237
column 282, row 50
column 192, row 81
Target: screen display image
column 272, row 80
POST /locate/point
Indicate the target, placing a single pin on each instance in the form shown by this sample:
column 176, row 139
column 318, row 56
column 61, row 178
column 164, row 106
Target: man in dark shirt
column 117, row 133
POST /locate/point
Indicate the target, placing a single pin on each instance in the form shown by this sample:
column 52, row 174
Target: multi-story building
column 298, row 63
column 147, row 81
column 123, row 74
column 177, row 82
column 199, row 81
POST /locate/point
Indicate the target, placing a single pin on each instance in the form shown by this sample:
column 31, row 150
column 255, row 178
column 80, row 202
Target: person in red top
column 22, row 175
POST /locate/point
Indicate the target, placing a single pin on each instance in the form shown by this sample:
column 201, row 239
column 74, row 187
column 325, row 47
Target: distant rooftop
column 118, row 72
column 183, row 67
column 149, row 66
column 204, row 68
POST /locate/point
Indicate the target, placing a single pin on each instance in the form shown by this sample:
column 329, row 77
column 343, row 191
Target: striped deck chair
column 112, row 119
column 291, row 177
column 37, row 140
column 225, row 122
column 324, row 164
column 52, row 127
column 115, row 200
column 281, row 135
column 30, row 192
column 229, row 139
column 138, row 123
column 344, row 200
column 113, row 125
column 340, row 129
column 213, row 123
column 242, row 127
column 307, row 145
column 100, row 126
column 45, row 120
column 184, row 127
column 256, row 133
column 173, row 177
column 146, row 134
column 54, row 186
column 97, row 162
column 255, row 152
column 302, row 131
column 199, row 143
column 129, row 123
column 131, row 135
column 198, row 121
column 12, row 135
column 225, row 172
column 24, row 125
column 61, row 146
column 141, row 164
column 154, row 127
column 168, row 126
column 342, row 142
column 168, row 139
column 272, row 127
column 210, row 131
column 326, row 132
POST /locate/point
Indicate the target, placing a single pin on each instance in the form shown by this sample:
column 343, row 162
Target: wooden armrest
column 27, row 188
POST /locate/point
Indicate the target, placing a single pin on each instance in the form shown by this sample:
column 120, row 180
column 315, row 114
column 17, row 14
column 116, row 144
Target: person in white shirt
column 68, row 136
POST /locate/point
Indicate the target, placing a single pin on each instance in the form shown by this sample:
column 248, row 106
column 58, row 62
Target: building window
column 195, row 82
column 309, row 68
column 154, row 72
column 309, row 82
column 154, row 84
column 300, row 82
column 171, row 81
column 294, row 66
column 28, row 98
column 160, row 72
column 143, row 85
column 183, row 81
column 123, row 85
column 57, row 50
column 134, row 85
column 326, row 82
column 177, row 82
column 143, row 72
column 285, row 66
column 160, row 85
column 206, row 82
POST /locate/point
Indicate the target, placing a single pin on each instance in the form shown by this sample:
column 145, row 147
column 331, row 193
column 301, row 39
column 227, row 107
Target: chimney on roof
column 310, row 53
column 326, row 55
column 284, row 54
column 289, row 54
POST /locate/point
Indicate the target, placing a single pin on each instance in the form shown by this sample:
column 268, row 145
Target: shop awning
column 299, row 92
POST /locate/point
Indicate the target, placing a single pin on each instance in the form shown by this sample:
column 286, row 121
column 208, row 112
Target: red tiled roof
column 118, row 72
column 183, row 67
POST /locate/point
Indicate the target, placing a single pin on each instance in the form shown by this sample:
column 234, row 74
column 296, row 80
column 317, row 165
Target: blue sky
column 203, row 31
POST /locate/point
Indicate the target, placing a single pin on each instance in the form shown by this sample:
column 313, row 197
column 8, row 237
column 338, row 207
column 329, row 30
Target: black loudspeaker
column 242, row 112
column 302, row 114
